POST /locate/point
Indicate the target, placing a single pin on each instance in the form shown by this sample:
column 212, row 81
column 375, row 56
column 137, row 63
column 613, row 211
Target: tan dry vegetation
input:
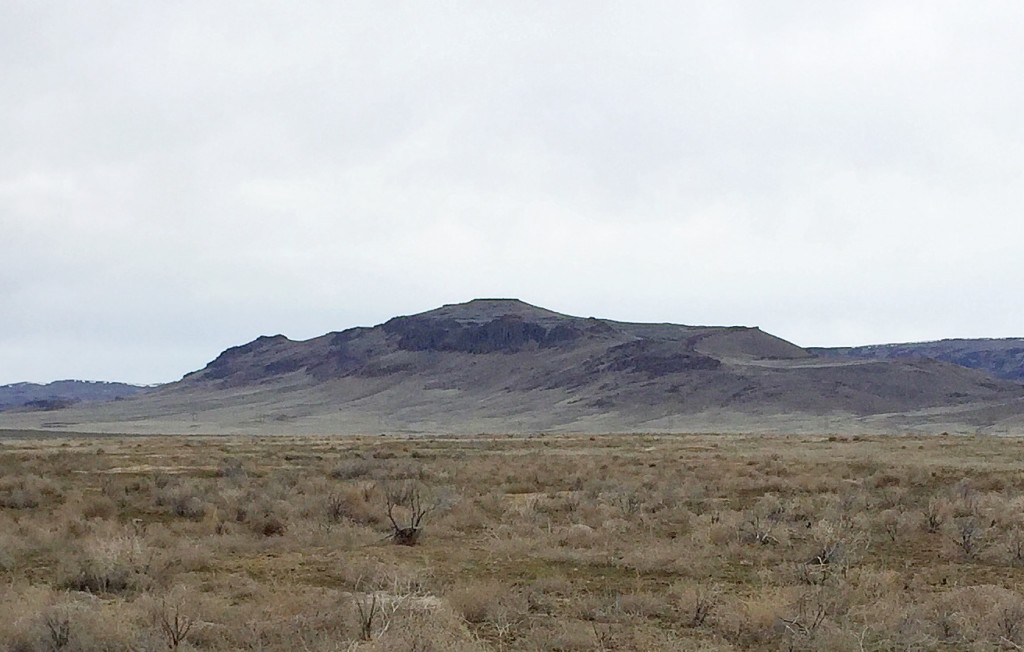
column 649, row 542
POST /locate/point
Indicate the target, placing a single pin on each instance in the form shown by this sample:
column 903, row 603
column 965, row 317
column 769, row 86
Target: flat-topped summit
column 479, row 310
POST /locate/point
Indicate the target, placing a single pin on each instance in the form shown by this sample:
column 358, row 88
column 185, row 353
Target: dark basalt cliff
column 509, row 333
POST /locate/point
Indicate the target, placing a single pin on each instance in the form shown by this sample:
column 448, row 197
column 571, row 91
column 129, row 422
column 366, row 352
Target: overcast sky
column 180, row 177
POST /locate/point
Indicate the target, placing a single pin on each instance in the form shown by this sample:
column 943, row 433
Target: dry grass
column 545, row 543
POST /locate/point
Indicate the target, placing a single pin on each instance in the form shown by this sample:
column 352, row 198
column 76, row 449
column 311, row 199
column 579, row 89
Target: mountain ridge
column 503, row 365
column 1002, row 357
column 63, row 393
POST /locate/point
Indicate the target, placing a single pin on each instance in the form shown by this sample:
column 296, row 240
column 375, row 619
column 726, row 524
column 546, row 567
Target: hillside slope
column 501, row 365
column 1002, row 358
column 62, row 393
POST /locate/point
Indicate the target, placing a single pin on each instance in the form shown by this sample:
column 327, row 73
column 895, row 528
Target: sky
column 181, row 177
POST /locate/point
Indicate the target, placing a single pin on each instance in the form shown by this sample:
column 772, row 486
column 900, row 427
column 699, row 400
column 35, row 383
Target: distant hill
column 502, row 365
column 1002, row 358
column 62, row 394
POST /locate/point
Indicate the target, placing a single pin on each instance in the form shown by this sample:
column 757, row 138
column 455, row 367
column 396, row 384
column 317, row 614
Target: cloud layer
column 176, row 178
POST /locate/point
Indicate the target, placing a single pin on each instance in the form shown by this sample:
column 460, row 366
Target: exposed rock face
column 253, row 362
column 505, row 334
column 654, row 359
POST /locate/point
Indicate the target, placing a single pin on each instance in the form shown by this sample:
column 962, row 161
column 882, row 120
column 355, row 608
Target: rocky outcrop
column 653, row 359
column 505, row 334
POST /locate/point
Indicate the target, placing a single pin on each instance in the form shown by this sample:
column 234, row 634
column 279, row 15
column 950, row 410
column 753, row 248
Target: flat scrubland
column 545, row 543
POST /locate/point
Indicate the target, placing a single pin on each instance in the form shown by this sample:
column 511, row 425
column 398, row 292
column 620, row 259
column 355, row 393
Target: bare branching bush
column 1013, row 544
column 604, row 640
column 806, row 618
column 968, row 536
column 630, row 502
column 335, row 509
column 759, row 528
column 1008, row 620
column 369, row 610
column 965, row 499
column 406, row 505
column 892, row 522
column 377, row 611
column 698, row 602
column 58, row 629
column 936, row 513
column 174, row 624
column 947, row 623
column 354, row 504
column 761, row 522
column 835, row 547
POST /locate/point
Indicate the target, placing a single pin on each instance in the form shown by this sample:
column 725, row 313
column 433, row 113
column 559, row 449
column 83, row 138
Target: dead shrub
column 407, row 504
column 107, row 566
column 1013, row 545
column 232, row 469
column 753, row 621
column 26, row 492
column 352, row 504
column 544, row 595
column 188, row 506
column 893, row 523
column 174, row 617
column 640, row 604
column 182, row 499
column 722, row 534
column 8, row 561
column 466, row 517
column 968, row 536
column 99, row 507
column 695, row 601
column 488, row 603
column 569, row 636
column 936, row 513
column 578, row 535
column 347, row 470
column 883, row 479
column 267, row 524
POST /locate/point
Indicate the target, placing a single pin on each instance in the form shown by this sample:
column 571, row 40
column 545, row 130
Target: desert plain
column 556, row 542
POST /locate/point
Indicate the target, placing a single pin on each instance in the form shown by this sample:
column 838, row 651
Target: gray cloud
column 176, row 178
